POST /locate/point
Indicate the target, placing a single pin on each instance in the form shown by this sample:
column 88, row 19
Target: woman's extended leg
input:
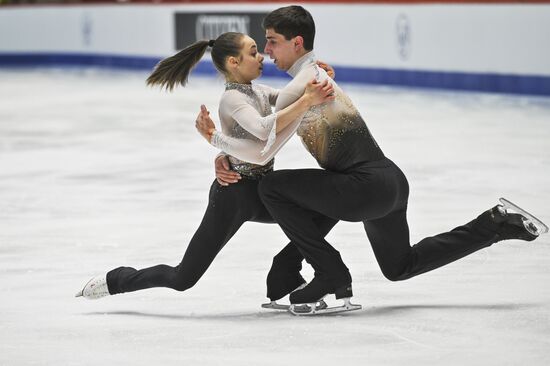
column 228, row 208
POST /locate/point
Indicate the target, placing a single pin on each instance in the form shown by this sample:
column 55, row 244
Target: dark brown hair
column 176, row 69
column 292, row 21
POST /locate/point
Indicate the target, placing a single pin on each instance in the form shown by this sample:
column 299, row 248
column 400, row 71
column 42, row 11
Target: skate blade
column 275, row 306
column 81, row 292
column 540, row 226
column 311, row 309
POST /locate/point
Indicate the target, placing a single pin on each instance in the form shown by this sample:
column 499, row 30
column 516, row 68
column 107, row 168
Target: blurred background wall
column 464, row 45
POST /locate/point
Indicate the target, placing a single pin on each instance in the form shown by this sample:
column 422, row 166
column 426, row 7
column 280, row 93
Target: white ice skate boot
column 95, row 288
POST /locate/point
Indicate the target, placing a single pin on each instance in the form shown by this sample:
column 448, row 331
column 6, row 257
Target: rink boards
column 483, row 47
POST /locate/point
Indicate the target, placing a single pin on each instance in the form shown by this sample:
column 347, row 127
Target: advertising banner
column 191, row 26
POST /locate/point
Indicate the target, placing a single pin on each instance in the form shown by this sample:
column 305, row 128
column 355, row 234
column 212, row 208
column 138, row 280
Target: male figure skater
column 357, row 183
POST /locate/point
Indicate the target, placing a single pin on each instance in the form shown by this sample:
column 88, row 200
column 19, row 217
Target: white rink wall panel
column 492, row 44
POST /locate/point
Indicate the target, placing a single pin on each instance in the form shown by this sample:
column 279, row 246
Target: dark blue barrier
column 480, row 82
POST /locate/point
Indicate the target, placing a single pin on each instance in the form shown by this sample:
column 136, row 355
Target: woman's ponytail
column 176, row 69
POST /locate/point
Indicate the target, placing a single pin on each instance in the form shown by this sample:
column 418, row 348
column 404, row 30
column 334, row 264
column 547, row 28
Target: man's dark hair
column 292, row 21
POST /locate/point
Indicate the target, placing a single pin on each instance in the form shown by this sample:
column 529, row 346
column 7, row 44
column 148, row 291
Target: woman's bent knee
column 183, row 281
column 183, row 285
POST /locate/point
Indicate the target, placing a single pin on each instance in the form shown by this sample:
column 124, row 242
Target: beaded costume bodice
column 241, row 126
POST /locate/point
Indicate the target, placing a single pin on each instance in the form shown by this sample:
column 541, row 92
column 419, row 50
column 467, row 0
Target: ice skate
column 532, row 224
column 276, row 306
column 306, row 300
column 95, row 288
column 509, row 221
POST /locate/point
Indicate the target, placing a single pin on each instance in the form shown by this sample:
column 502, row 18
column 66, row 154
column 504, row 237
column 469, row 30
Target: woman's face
column 250, row 63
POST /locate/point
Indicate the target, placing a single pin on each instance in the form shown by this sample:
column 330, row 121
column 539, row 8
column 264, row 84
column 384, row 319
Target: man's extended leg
column 389, row 237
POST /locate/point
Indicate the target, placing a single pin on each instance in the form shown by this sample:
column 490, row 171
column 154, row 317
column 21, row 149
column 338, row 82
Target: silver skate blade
column 311, row 309
column 302, row 309
column 275, row 306
column 79, row 294
column 541, row 227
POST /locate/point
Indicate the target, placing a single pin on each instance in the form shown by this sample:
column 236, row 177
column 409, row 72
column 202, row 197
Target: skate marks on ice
column 283, row 311
column 403, row 309
column 383, row 326
column 217, row 316
column 236, row 325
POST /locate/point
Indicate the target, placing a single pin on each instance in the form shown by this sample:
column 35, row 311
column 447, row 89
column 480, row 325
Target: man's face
column 283, row 52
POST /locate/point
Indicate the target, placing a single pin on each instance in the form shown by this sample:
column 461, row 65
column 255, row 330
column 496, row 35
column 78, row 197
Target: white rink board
column 500, row 38
column 97, row 171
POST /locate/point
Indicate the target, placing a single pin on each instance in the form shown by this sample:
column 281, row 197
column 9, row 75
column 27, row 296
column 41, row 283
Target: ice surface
column 97, row 171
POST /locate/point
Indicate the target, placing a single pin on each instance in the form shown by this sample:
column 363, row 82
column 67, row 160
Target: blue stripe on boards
column 75, row 59
column 484, row 82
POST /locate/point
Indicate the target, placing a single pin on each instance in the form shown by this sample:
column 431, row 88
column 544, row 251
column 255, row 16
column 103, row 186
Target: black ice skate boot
column 284, row 275
column 317, row 289
column 512, row 225
column 281, row 283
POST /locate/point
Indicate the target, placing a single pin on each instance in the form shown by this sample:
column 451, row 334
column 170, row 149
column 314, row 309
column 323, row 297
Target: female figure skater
column 245, row 113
